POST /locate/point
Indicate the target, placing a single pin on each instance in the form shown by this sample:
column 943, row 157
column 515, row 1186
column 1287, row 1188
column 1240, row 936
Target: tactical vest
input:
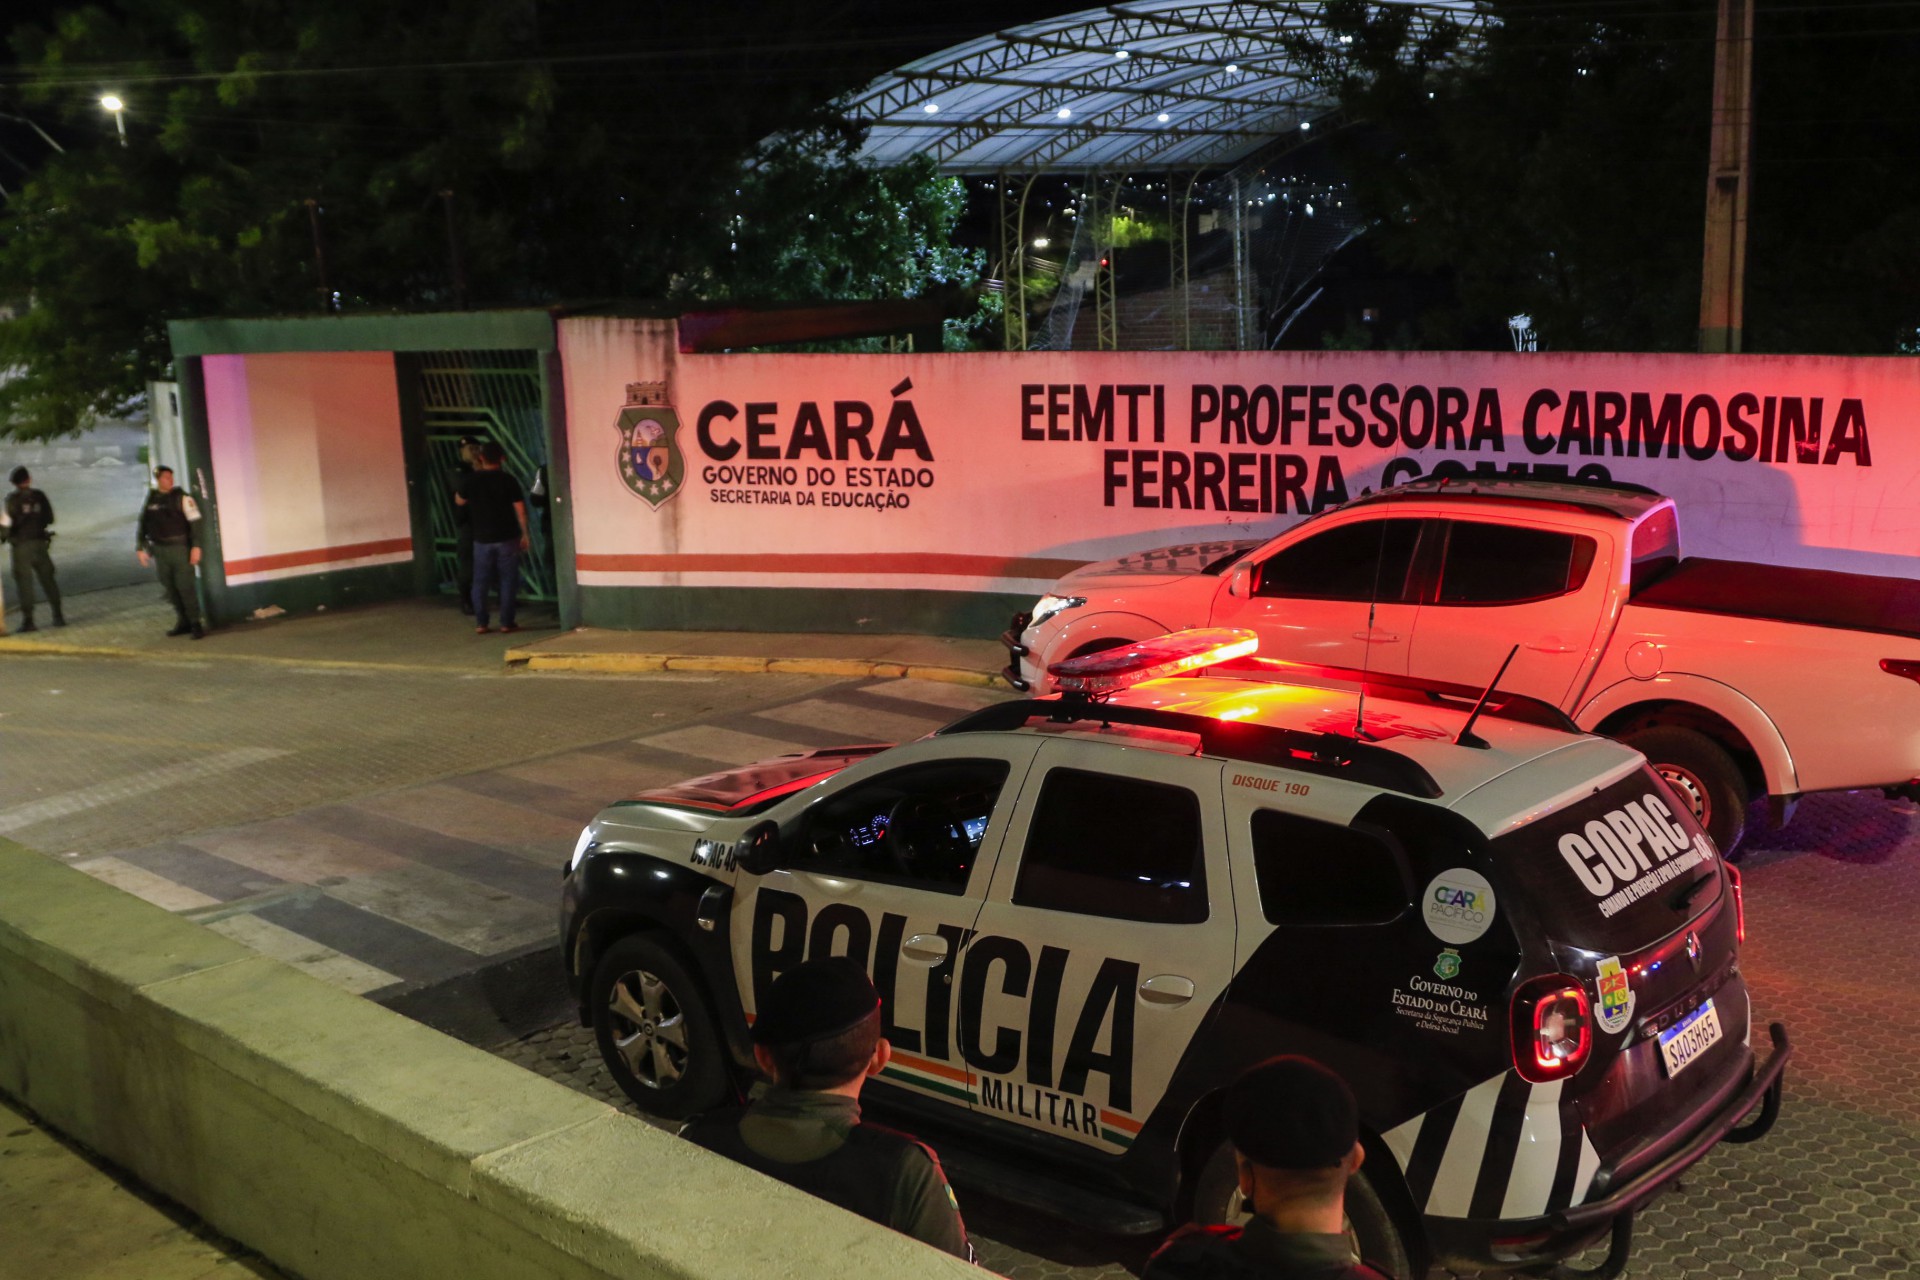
column 861, row 1176
column 29, row 515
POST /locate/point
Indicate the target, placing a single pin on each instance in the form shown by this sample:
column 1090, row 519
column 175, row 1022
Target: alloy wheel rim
column 649, row 1029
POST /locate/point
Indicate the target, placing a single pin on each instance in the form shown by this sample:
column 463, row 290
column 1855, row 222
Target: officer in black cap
column 26, row 520
column 818, row 1039
column 1296, row 1141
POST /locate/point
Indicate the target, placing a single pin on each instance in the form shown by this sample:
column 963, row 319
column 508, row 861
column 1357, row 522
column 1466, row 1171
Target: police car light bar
column 1111, row 670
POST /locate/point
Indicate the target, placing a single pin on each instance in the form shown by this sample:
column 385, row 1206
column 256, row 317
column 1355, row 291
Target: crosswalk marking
column 308, row 956
column 937, row 693
column 860, row 724
column 514, row 811
column 141, row 883
column 728, row 746
column 68, row 803
column 451, row 908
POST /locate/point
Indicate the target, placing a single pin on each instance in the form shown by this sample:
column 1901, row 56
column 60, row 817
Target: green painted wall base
column 342, row 588
column 967, row 615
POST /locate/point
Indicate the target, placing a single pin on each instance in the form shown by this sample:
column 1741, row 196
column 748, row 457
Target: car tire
column 1702, row 775
column 1370, row 1227
column 656, row 1030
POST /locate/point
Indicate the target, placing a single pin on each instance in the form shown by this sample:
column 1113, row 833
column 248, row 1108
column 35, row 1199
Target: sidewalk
column 430, row 634
column 68, row 1216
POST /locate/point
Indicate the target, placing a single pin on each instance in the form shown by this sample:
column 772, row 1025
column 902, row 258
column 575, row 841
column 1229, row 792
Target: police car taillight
column 1112, row 670
column 1552, row 1028
column 1739, row 903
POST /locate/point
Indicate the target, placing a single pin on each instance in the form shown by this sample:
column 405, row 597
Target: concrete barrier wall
column 347, row 1143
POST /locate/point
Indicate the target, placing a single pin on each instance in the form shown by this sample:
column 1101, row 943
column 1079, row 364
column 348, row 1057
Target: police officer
column 818, row 1038
column 169, row 540
column 1296, row 1140
column 25, row 523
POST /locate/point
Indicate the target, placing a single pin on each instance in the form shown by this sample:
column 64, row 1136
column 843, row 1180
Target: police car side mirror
column 758, row 851
column 1240, row 581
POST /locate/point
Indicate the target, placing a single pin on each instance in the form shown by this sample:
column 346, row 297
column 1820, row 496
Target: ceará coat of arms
column 650, row 460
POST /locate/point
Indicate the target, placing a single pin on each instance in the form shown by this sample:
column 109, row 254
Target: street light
column 111, row 102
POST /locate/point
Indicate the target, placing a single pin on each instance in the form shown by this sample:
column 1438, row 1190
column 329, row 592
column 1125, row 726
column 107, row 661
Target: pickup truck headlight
column 582, row 847
column 1050, row 605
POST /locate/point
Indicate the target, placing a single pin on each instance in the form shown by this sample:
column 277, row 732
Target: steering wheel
column 908, row 823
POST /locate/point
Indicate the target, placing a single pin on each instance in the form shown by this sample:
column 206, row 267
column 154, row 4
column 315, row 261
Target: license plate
column 1683, row 1042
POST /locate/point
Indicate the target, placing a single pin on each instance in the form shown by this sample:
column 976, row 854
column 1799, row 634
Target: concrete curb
column 850, row 668
column 344, row 1142
column 56, row 649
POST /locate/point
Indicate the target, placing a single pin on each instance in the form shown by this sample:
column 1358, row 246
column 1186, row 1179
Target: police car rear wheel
column 1370, row 1228
column 1702, row 775
column 655, row 1031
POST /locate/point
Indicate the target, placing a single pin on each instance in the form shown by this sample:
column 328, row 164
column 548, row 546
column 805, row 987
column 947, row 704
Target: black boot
column 181, row 628
column 26, row 623
column 59, row 618
column 199, row 632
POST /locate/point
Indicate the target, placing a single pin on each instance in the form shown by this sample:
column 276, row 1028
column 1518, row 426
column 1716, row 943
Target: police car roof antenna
column 1366, row 655
column 1467, row 737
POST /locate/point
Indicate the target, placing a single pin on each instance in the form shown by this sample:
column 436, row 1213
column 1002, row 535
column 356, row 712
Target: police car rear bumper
column 1523, row 1242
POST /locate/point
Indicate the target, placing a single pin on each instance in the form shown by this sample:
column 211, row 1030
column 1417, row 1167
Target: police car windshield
column 1618, row 871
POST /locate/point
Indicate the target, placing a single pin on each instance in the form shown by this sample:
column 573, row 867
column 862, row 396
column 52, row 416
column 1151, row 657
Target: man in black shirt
column 1296, row 1140
column 818, row 1037
column 25, row 522
column 497, row 511
column 168, row 538
column 463, row 526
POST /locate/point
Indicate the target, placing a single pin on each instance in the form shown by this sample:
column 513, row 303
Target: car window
column 1369, row 560
column 1313, row 872
column 1102, row 845
column 920, row 826
column 1502, row 564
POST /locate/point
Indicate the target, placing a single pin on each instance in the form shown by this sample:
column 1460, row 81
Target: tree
column 1555, row 164
column 583, row 146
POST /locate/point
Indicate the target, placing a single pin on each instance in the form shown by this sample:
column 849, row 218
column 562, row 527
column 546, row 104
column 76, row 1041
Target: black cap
column 20, row 476
column 815, row 1000
column 1291, row 1113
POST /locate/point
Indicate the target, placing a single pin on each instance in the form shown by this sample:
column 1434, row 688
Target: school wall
column 938, row 492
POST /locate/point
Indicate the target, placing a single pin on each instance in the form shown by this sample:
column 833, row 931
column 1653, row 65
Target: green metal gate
column 488, row 395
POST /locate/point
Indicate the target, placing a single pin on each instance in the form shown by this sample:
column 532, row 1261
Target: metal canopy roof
column 1160, row 84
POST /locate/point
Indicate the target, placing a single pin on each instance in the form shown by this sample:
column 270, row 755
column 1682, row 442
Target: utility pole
column 319, row 255
column 454, row 257
column 1723, row 272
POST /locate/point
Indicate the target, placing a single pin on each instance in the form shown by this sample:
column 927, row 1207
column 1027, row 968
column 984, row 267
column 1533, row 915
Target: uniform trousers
column 31, row 560
column 173, row 565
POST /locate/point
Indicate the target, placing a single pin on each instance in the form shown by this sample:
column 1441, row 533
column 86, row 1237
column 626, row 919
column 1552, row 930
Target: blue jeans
column 495, row 560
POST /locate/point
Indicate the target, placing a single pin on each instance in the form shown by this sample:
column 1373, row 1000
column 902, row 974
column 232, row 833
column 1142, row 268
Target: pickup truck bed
column 1817, row 597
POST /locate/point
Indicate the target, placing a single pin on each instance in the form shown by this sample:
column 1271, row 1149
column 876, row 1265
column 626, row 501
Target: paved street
column 396, row 827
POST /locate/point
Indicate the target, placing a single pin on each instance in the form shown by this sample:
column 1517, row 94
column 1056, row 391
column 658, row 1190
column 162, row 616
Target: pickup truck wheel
column 655, row 1032
column 1702, row 774
column 1370, row 1228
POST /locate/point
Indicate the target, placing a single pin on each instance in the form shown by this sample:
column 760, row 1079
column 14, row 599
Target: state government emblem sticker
column 651, row 464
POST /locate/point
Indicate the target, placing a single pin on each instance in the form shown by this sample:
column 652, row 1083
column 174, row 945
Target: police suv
column 1087, row 913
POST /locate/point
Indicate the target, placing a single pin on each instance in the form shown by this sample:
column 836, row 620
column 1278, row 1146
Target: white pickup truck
column 1735, row 680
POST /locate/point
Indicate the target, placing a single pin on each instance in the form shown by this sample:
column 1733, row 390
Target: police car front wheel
column 655, row 1031
column 1370, row 1227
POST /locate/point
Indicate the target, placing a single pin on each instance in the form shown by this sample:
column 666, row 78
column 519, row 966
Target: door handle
column 925, row 948
column 1376, row 637
column 1551, row 644
column 1167, row 989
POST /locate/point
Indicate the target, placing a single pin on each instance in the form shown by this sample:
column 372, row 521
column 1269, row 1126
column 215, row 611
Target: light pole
column 111, row 102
